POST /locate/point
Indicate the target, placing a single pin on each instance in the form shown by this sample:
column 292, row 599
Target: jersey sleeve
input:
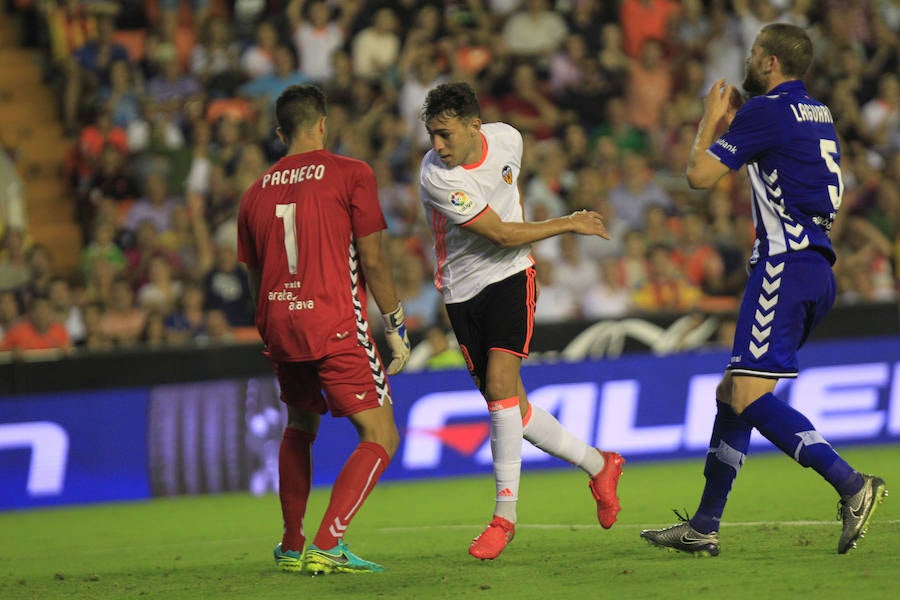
column 519, row 142
column 752, row 131
column 365, row 211
column 246, row 247
column 458, row 202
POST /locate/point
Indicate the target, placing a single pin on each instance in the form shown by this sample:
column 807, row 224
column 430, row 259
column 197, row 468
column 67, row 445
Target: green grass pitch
column 778, row 540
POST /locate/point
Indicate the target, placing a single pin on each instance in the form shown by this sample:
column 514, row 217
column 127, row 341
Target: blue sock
column 727, row 450
column 794, row 435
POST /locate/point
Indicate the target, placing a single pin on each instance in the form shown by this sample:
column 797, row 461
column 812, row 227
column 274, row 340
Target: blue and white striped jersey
column 789, row 144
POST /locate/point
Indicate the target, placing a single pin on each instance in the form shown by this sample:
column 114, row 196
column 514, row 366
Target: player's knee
column 385, row 435
column 303, row 420
column 499, row 390
column 725, row 389
column 391, row 442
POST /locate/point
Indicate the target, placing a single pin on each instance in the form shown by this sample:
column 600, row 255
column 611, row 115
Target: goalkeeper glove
column 397, row 340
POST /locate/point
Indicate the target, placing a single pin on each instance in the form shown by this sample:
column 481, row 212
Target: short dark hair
column 299, row 107
column 455, row 99
column 790, row 44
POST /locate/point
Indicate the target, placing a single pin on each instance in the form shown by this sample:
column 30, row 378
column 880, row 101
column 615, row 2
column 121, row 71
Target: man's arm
column 511, row 235
column 704, row 169
column 254, row 278
column 380, row 280
column 294, row 13
column 378, row 271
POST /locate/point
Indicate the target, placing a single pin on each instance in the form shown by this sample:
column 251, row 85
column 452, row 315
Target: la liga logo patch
column 461, row 202
column 507, row 174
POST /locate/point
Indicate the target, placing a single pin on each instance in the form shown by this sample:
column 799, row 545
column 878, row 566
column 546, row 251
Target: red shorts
column 352, row 381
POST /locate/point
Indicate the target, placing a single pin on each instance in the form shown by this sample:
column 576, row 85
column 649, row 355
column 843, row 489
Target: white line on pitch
column 835, row 522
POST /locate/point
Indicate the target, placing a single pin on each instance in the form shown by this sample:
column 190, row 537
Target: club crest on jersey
column 507, row 174
column 461, row 202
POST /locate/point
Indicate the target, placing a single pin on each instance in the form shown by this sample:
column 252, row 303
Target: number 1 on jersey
column 288, row 214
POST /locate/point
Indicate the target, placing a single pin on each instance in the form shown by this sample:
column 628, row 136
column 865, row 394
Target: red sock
column 294, row 483
column 355, row 481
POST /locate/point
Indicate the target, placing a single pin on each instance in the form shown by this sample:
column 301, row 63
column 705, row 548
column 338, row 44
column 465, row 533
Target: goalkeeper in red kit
column 310, row 233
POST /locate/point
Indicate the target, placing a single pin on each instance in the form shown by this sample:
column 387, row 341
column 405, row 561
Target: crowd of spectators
column 170, row 107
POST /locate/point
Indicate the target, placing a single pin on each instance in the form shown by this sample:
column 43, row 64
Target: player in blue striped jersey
column 788, row 141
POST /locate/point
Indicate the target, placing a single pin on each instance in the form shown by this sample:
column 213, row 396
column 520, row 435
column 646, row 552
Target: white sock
column 506, row 447
column 545, row 432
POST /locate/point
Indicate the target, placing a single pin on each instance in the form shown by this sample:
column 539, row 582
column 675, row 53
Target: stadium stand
column 87, row 137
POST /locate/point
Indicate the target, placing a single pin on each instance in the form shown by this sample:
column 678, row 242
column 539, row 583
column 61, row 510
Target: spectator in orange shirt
column 645, row 19
column 37, row 331
column 648, row 87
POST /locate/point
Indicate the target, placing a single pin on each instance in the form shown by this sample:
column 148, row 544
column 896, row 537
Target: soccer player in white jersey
column 484, row 270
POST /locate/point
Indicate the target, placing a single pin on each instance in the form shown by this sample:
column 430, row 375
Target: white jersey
column 465, row 262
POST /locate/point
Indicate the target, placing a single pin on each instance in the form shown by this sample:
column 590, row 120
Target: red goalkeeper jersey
column 298, row 224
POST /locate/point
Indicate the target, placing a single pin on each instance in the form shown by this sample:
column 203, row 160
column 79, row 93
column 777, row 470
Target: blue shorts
column 786, row 297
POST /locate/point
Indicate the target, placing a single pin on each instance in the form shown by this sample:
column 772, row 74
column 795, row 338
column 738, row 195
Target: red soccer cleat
column 603, row 487
column 493, row 539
